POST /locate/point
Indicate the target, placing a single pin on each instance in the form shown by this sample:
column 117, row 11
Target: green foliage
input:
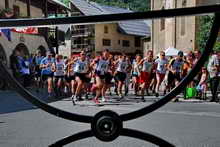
column 205, row 24
column 217, row 46
column 135, row 5
column 66, row 2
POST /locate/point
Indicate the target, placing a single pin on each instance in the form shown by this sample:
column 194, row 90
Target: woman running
column 101, row 68
column 136, row 68
column 120, row 74
column 58, row 69
column 160, row 70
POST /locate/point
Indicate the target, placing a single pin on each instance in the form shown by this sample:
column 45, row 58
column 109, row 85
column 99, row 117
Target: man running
column 80, row 69
column 147, row 68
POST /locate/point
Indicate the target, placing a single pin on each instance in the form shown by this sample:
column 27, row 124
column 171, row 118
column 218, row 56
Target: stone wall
column 32, row 42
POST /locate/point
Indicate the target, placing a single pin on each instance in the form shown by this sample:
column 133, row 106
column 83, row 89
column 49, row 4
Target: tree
column 66, row 2
column 205, row 24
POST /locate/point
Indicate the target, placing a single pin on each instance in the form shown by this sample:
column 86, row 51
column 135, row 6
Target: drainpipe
column 57, row 33
column 6, row 4
column 152, row 28
column 175, row 27
column 28, row 8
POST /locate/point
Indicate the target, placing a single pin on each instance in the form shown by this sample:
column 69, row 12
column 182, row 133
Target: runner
column 120, row 74
column 147, row 68
column 108, row 78
column 175, row 68
column 37, row 60
column 46, row 73
column 128, row 76
column 81, row 70
column 70, row 75
column 160, row 70
column 101, row 68
column 58, row 69
column 136, row 68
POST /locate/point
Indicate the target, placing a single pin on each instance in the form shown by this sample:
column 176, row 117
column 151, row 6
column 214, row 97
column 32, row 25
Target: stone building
column 30, row 43
column 27, row 43
column 179, row 32
column 123, row 36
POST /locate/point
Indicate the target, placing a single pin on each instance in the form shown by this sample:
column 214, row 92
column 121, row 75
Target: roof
column 57, row 2
column 134, row 27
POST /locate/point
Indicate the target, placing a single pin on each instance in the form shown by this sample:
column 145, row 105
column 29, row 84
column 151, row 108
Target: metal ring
column 152, row 14
column 70, row 139
column 125, row 132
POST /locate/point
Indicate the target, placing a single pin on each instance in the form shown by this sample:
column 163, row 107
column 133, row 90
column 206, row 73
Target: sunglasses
column 162, row 55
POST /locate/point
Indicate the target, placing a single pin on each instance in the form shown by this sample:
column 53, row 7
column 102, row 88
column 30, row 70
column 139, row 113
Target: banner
column 28, row 30
column 7, row 33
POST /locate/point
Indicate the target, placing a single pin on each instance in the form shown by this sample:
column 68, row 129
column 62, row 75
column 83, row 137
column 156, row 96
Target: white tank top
column 59, row 68
column 122, row 66
column 81, row 66
column 147, row 66
column 102, row 66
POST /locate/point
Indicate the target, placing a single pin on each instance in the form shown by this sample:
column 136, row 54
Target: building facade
column 178, row 32
column 26, row 43
column 118, row 37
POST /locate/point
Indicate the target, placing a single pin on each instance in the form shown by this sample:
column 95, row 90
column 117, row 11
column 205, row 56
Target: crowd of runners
column 83, row 75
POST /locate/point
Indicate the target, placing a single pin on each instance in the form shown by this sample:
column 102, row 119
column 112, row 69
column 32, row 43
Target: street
column 184, row 124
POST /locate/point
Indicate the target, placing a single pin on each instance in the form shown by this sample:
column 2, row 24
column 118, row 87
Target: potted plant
column 6, row 13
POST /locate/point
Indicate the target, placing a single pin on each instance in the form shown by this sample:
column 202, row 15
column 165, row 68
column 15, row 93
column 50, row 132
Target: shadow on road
column 11, row 101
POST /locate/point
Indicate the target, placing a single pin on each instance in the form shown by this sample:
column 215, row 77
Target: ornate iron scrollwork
column 108, row 125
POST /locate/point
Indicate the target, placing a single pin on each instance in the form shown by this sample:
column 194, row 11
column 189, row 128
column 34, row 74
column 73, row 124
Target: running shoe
column 121, row 96
column 72, row 98
column 157, row 94
column 49, row 95
column 103, row 99
column 96, row 101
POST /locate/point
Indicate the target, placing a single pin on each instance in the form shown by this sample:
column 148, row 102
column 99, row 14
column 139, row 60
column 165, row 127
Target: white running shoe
column 103, row 99
column 73, row 99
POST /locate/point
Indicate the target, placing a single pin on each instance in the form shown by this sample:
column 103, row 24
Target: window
column 183, row 20
column 106, row 42
column 119, row 42
column 106, row 29
column 125, row 43
column 137, row 42
column 162, row 22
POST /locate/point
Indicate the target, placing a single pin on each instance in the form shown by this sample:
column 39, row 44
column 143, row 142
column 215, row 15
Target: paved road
column 185, row 124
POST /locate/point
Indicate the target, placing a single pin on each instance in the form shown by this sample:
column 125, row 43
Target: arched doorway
column 3, row 55
column 22, row 48
column 3, row 58
column 42, row 50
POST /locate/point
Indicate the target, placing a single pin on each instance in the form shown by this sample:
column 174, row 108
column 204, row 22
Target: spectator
column 213, row 68
column 14, row 63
